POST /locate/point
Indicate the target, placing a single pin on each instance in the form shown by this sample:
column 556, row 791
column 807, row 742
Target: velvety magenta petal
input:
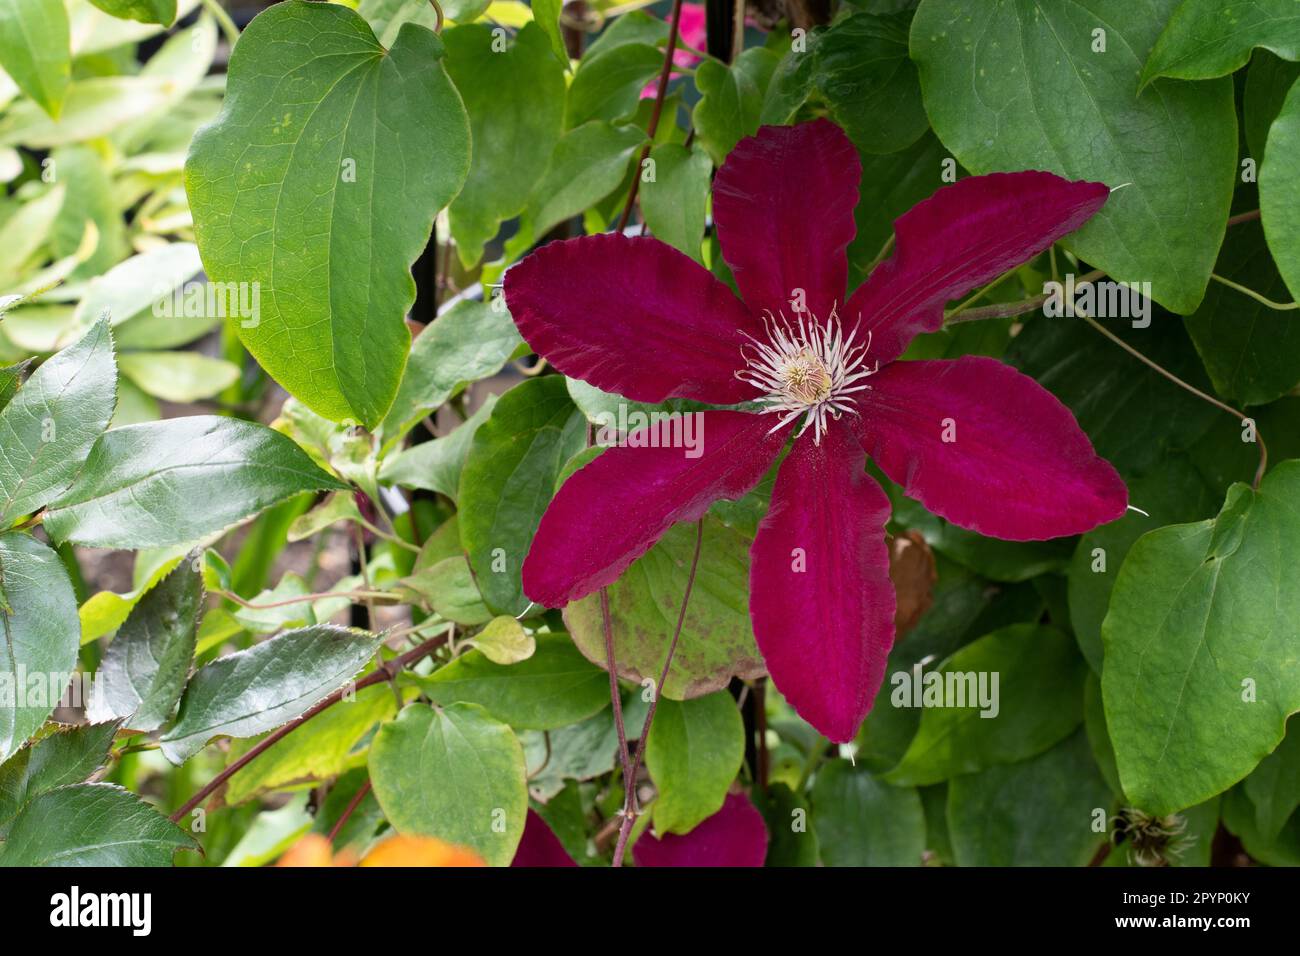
column 540, row 846
column 610, row 512
column 632, row 316
column 988, row 448
column 819, row 590
column 783, row 205
column 734, row 836
column 965, row 235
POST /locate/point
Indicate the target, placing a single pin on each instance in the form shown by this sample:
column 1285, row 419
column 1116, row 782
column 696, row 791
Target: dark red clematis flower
column 972, row 439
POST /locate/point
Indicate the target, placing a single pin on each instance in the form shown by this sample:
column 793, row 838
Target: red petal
column 540, row 846
column 819, row 589
column 734, row 836
column 964, row 236
column 1017, row 466
column 783, row 205
column 632, row 316
column 610, row 512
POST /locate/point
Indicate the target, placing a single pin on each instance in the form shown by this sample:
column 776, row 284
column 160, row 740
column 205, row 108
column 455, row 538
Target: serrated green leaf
column 324, row 747
column 1019, row 87
column 271, row 683
column 142, row 484
column 452, row 773
column 144, row 670
column 49, row 426
column 92, row 824
column 693, row 754
column 41, row 637
column 65, row 757
column 330, row 152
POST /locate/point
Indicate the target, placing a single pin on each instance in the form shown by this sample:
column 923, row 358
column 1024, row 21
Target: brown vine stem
column 349, row 810
column 616, row 699
column 1241, row 416
column 1243, row 217
column 655, row 111
column 1004, row 310
column 629, row 810
column 385, row 672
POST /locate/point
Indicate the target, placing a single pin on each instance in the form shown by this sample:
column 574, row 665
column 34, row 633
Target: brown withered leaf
column 912, row 571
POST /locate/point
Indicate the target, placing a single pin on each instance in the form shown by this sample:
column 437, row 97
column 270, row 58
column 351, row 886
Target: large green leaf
column 717, row 640
column 271, row 683
column 92, row 824
column 863, row 821
column 470, row 341
column 1209, row 38
column 1252, row 352
column 515, row 101
column 62, row 758
column 174, row 481
column 892, row 183
column 1040, row 812
column 1020, row 87
column 1037, row 701
column 34, row 49
column 320, row 181
column 1199, row 676
column 693, row 754
column 858, row 69
column 41, row 636
column 1279, row 191
column 49, row 426
column 508, row 480
column 588, row 164
column 452, row 773
column 1174, row 491
column 144, row 670
column 553, row 688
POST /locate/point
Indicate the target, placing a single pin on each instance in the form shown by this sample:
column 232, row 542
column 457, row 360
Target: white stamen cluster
column 808, row 369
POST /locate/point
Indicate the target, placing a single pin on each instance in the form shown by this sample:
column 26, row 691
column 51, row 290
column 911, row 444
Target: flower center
column 806, row 369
